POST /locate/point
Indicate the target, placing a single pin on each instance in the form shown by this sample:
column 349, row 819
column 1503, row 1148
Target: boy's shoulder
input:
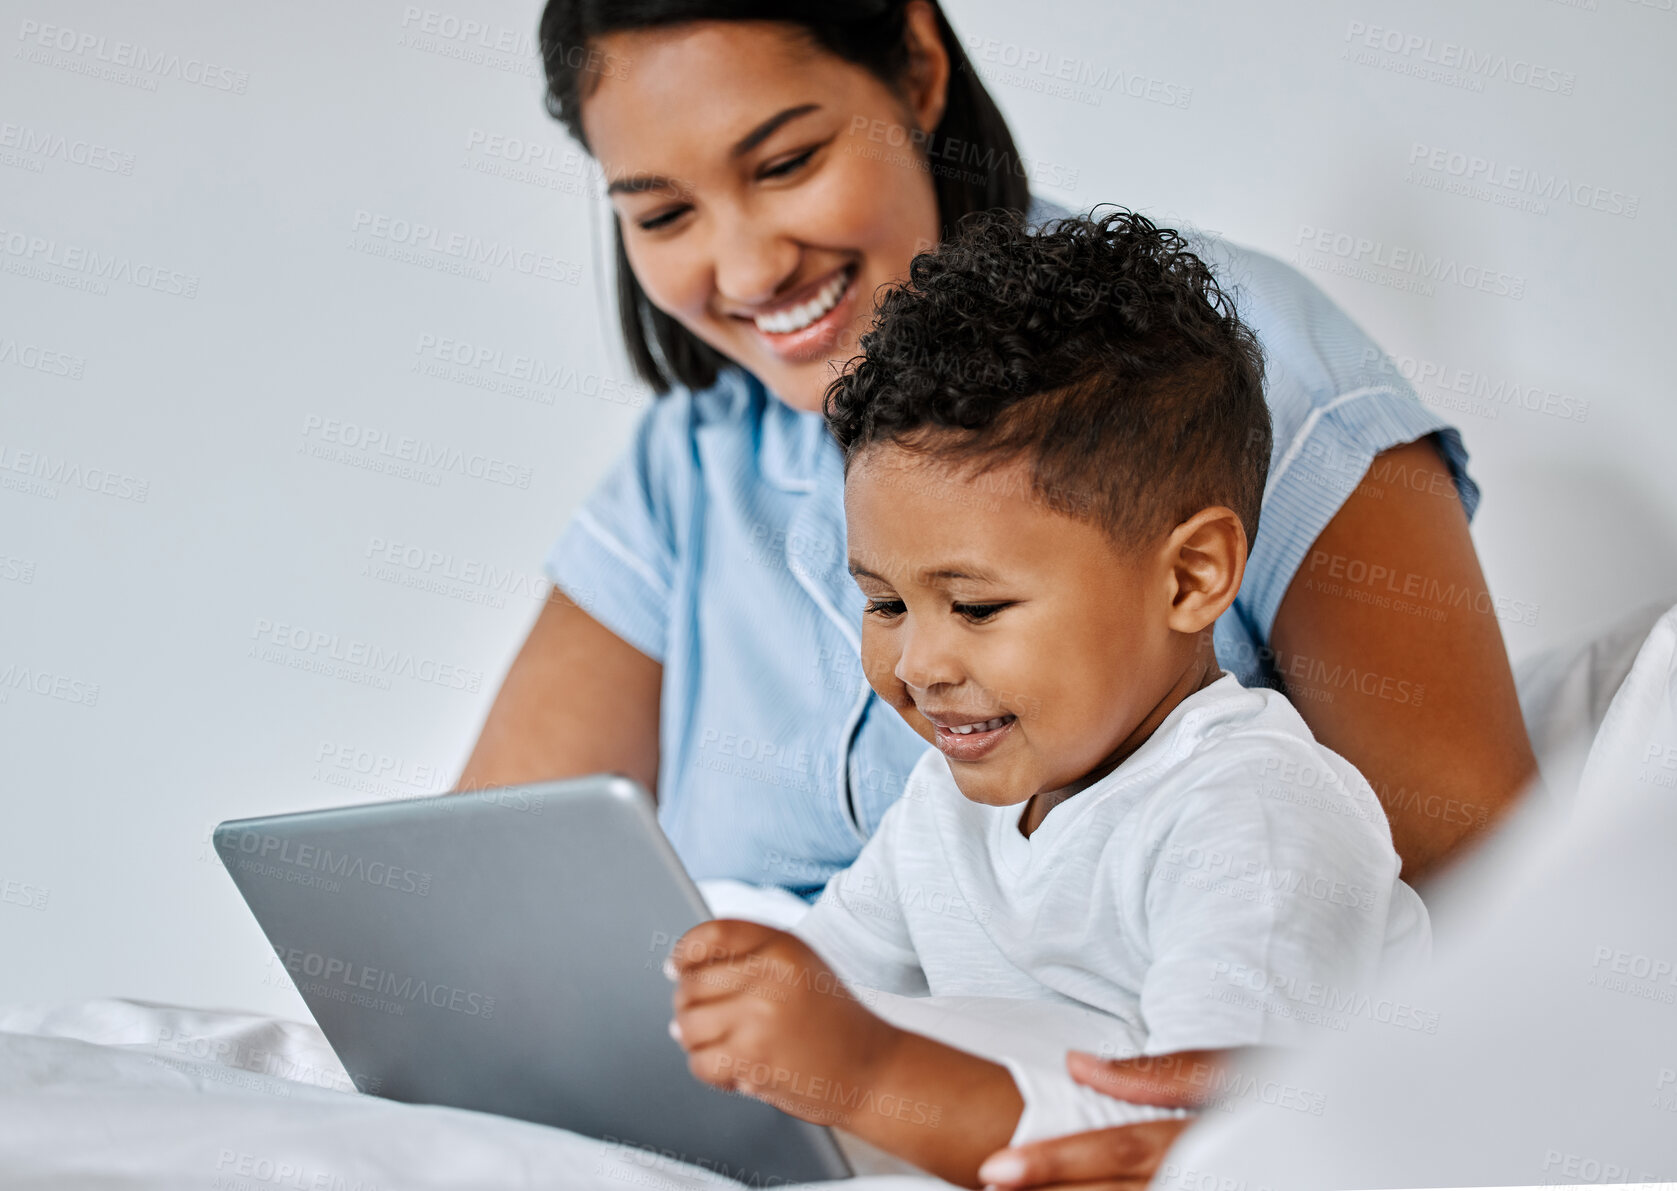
column 1245, row 752
column 1224, row 722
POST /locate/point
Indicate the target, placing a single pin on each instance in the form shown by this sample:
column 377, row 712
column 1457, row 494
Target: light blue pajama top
column 715, row 545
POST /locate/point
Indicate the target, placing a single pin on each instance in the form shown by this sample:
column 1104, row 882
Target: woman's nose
column 754, row 261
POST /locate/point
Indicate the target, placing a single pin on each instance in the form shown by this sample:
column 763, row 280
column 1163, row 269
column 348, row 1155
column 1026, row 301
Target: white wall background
column 245, row 199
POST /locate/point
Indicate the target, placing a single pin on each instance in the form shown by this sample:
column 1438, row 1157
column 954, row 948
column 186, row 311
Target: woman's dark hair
column 977, row 165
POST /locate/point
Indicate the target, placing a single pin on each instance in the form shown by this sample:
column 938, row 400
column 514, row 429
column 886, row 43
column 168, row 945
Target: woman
column 769, row 175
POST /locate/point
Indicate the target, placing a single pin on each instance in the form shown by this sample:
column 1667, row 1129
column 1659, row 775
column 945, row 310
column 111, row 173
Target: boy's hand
column 759, row 1012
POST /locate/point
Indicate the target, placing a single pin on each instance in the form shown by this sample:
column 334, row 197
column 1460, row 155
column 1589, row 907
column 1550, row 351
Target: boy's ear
column 1207, row 559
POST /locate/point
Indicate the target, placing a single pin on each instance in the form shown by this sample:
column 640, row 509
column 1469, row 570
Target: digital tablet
column 501, row 950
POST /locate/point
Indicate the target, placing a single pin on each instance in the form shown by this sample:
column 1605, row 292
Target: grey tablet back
column 501, row 951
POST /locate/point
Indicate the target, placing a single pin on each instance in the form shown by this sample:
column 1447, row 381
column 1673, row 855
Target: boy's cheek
column 879, row 660
column 918, row 722
column 879, row 667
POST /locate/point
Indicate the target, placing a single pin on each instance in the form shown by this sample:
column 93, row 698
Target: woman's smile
column 811, row 323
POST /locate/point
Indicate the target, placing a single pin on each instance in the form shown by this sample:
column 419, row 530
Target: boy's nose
column 924, row 664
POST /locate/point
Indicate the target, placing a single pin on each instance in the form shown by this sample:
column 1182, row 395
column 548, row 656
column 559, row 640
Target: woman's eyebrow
column 641, row 183
column 766, row 129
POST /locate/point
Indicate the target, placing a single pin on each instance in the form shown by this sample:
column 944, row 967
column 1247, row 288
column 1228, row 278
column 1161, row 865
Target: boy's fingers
column 713, row 984
column 713, row 1059
column 714, row 1067
column 1181, row 1080
column 1104, row 1156
column 702, row 1027
column 718, row 940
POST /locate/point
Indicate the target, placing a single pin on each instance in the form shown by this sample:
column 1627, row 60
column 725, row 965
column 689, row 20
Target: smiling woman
column 773, row 168
column 756, row 229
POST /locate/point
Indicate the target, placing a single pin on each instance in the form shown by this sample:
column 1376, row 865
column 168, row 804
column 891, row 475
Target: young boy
column 1055, row 451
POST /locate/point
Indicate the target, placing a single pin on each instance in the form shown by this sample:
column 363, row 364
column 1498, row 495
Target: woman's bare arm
column 578, row 699
column 1390, row 646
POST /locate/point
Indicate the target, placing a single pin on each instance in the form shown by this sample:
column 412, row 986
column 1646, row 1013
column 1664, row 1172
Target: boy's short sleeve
column 618, row 557
column 1264, row 907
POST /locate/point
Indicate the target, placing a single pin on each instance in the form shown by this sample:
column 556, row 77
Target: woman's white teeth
column 987, row 725
column 804, row 313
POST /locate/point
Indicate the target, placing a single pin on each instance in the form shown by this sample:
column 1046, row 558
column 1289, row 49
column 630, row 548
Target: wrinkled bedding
column 123, row 1094
column 119, row 1094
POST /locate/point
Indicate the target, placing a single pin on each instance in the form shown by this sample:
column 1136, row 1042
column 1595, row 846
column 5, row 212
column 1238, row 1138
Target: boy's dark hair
column 1099, row 348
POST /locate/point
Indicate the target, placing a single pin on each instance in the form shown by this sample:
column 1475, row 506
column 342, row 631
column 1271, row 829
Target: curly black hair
column 1099, row 347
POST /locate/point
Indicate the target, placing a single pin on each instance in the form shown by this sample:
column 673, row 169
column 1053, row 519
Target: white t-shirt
column 1232, row 883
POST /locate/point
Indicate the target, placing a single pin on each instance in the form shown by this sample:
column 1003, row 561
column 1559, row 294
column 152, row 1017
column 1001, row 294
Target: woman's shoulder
column 1314, row 351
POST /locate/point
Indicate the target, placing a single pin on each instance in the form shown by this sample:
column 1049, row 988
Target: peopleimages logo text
column 1549, row 187
column 270, row 848
column 47, row 251
column 1369, row 253
column 145, row 62
column 373, row 440
column 1452, row 55
column 409, row 989
column 386, row 663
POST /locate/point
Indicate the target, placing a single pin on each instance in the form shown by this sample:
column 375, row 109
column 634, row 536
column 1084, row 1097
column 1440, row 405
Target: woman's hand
column 1124, row 1158
column 1120, row 1159
column 759, row 1012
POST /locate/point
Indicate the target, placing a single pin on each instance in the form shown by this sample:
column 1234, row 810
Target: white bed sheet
column 124, row 1094
column 121, row 1094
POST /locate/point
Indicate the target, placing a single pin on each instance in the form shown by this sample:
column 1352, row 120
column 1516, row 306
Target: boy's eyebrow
column 958, row 571
column 928, row 575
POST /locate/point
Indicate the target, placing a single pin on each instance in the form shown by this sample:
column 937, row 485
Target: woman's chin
column 803, row 386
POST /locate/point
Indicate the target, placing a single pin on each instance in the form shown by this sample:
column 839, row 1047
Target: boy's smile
column 1023, row 643
column 962, row 738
